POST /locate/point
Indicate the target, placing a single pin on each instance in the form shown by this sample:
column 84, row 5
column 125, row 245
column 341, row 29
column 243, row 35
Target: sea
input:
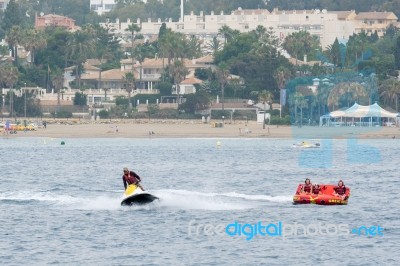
column 221, row 202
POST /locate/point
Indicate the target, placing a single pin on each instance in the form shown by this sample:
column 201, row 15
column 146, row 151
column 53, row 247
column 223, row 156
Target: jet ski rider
column 130, row 177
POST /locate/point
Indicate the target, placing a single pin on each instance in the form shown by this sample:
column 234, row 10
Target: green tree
column 179, row 72
column 281, row 75
column 79, row 47
column 301, row 43
column 227, row 33
column 55, row 54
column 13, row 38
column 334, row 54
column 265, row 97
column 222, row 76
column 12, row 15
column 300, row 101
column 57, row 81
column 9, row 76
column 133, row 28
column 390, row 91
column 80, row 99
column 397, row 53
column 165, row 88
column 129, row 85
column 196, row 102
column 213, row 46
column 163, row 30
column 33, row 40
column 107, row 49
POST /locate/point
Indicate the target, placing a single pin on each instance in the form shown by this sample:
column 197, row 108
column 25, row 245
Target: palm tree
column 179, row 72
column 222, row 75
column 300, row 43
column 300, row 101
column 133, row 28
column 322, row 97
column 260, row 31
column 265, row 97
column 140, row 54
column 191, row 47
column 13, row 38
column 79, row 46
column 281, row 75
column 213, row 46
column 390, row 90
column 103, row 50
column 173, row 46
column 348, row 91
column 227, row 33
column 32, row 41
column 9, row 74
column 57, row 81
column 129, row 84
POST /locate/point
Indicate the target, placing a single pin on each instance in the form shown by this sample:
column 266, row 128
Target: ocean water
column 60, row 204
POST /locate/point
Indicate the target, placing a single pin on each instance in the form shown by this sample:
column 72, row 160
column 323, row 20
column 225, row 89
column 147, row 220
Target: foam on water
column 65, row 209
column 178, row 199
column 185, row 199
column 26, row 196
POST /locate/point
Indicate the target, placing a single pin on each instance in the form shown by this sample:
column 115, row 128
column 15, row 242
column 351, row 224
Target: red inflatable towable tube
column 326, row 196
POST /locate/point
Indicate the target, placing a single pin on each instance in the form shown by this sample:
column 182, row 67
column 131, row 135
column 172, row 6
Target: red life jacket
column 316, row 190
column 130, row 179
column 307, row 188
column 340, row 190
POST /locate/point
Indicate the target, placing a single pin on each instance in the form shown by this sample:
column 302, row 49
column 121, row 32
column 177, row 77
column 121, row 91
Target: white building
column 101, row 6
column 326, row 25
column 3, row 4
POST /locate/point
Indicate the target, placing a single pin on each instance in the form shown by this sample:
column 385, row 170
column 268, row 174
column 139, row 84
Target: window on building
column 109, row 6
column 95, row 7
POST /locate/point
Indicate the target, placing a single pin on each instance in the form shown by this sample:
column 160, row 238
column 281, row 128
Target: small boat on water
column 134, row 195
column 326, row 196
column 305, row 144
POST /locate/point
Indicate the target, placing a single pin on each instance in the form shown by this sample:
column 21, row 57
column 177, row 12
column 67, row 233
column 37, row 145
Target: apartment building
column 42, row 22
column 3, row 4
column 375, row 21
column 324, row 24
column 101, row 6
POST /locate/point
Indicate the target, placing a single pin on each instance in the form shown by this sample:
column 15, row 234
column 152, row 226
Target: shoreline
column 197, row 129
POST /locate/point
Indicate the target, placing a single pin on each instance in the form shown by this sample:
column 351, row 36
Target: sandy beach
column 197, row 129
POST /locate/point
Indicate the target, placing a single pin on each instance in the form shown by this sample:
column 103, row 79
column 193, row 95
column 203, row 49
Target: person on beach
column 130, row 177
column 340, row 189
column 307, row 187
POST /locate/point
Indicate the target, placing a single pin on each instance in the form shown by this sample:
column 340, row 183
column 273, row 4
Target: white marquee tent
column 360, row 115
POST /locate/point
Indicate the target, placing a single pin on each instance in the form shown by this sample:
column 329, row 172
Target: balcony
column 151, row 77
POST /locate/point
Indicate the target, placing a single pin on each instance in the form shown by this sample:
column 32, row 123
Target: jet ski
column 305, row 144
column 134, row 195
